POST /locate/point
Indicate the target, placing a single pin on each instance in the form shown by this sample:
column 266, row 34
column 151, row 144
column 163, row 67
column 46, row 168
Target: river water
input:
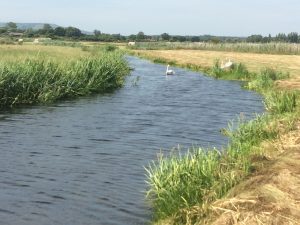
column 82, row 162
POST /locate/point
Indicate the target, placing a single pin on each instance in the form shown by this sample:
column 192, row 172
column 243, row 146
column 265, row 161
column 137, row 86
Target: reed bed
column 40, row 80
column 180, row 182
column 266, row 48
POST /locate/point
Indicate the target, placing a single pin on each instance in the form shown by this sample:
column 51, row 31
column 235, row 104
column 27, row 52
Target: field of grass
column 15, row 53
column 31, row 74
column 266, row 48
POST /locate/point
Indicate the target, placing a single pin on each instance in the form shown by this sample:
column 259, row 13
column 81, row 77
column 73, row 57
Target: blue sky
column 185, row 17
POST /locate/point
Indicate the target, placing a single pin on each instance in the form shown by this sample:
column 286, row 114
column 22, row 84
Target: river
column 82, row 161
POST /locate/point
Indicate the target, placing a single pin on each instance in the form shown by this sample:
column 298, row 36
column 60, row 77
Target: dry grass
column 274, row 196
column 18, row 52
column 254, row 62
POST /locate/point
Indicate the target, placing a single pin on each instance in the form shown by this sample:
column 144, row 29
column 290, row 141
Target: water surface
column 81, row 162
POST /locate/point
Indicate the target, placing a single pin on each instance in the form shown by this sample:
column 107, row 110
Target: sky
column 182, row 17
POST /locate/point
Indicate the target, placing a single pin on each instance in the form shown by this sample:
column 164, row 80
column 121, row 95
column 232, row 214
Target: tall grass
column 267, row 48
column 37, row 80
column 236, row 72
column 59, row 43
column 281, row 102
column 183, row 185
column 265, row 80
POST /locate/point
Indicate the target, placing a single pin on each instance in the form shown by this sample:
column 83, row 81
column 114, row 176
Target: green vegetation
column 236, row 72
column 182, row 186
column 267, row 48
column 59, row 43
column 37, row 30
column 164, row 61
column 40, row 80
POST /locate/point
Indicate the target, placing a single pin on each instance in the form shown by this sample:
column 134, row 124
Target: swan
column 169, row 72
column 228, row 64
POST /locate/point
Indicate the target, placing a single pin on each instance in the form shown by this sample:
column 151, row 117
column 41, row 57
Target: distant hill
column 37, row 26
column 25, row 26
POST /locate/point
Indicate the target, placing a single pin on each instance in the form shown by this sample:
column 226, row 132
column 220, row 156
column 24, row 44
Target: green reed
column 38, row 80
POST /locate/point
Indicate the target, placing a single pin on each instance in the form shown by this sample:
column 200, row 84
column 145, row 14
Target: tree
column 116, row 37
column 195, row 39
column 266, row 40
column 11, row 26
column 59, row 31
column 3, row 30
column 281, row 37
column 215, row 40
column 293, row 37
column 165, row 37
column 73, row 32
column 255, row 38
column 47, row 29
column 132, row 37
column 181, row 38
column 29, row 32
column 140, row 36
column 97, row 32
column 47, row 26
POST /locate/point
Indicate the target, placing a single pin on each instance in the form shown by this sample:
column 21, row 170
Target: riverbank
column 260, row 161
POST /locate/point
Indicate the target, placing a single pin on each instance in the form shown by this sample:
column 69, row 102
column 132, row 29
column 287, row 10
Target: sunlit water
column 82, row 162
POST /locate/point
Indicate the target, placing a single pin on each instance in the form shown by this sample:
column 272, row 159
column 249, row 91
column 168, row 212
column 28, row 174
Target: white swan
column 169, row 72
column 228, row 64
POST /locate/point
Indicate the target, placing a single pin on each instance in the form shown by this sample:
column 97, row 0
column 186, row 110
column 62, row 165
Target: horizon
column 189, row 18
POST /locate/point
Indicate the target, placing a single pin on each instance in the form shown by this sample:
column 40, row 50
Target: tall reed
column 237, row 72
column 37, row 80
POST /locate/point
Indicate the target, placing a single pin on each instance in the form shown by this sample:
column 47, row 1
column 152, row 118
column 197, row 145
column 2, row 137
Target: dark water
column 81, row 162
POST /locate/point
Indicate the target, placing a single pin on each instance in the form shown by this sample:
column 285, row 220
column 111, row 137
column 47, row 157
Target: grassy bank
column 265, row 48
column 42, row 74
column 182, row 187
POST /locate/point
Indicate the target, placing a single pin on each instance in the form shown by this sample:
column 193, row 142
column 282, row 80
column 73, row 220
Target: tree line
column 292, row 37
column 76, row 34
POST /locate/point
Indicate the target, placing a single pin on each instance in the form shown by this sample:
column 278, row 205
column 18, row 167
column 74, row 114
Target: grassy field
column 19, row 52
column 31, row 74
column 266, row 48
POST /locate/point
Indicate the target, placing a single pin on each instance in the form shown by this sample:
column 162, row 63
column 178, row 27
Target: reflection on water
column 81, row 162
